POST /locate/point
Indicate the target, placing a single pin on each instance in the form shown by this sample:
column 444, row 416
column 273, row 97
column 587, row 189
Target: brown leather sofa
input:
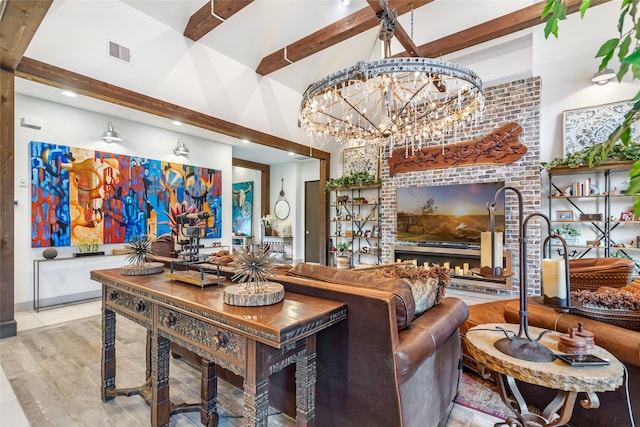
column 624, row 344
column 379, row 367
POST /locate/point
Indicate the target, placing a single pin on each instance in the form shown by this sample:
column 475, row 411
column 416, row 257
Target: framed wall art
column 242, row 208
column 583, row 127
column 359, row 159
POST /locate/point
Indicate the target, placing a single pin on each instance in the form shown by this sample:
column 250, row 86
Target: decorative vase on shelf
column 50, row 253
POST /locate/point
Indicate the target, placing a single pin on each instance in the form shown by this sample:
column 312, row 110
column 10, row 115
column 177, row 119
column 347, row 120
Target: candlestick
column 553, row 282
column 447, row 265
column 485, row 249
column 465, row 268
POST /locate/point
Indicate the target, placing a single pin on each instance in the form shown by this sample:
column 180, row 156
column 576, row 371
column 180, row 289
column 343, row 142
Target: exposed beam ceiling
column 361, row 21
column 354, row 24
column 489, row 30
column 399, row 33
column 40, row 72
column 205, row 19
column 20, row 20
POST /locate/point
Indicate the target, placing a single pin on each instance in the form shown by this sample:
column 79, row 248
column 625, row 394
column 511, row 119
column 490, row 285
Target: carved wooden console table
column 253, row 342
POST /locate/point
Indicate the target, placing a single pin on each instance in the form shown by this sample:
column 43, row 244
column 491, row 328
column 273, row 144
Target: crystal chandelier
column 402, row 102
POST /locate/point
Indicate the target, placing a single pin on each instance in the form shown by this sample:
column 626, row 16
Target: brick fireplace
column 517, row 101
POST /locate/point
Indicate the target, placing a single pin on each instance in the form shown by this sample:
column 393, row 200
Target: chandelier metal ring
column 405, row 101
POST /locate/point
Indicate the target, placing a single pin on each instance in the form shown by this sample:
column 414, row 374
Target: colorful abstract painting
column 80, row 196
column 242, row 209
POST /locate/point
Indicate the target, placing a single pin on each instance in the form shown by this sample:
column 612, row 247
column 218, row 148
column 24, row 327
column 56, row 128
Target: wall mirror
column 282, row 209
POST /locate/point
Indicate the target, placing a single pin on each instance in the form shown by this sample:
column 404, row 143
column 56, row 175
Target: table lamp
column 522, row 346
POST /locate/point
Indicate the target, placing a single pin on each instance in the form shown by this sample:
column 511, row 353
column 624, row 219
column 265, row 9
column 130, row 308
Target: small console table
column 569, row 381
column 253, row 342
column 280, row 246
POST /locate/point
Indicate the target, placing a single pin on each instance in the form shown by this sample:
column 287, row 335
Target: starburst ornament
column 254, row 268
column 254, row 288
column 140, row 249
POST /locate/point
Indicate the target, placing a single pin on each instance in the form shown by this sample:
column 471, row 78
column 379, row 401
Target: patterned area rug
column 481, row 395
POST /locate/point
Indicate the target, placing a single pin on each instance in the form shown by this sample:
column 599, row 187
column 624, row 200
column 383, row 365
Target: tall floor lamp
column 522, row 346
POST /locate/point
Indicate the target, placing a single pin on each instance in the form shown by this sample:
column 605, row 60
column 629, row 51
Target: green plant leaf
column 547, row 9
column 634, row 58
column 624, row 47
column 607, row 48
column 551, row 27
column 584, row 6
column 622, row 71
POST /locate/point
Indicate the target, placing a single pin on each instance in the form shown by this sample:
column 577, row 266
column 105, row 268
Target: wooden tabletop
column 278, row 324
column 556, row 375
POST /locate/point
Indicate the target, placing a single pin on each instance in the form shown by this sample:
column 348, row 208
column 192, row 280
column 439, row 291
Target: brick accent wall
column 517, row 101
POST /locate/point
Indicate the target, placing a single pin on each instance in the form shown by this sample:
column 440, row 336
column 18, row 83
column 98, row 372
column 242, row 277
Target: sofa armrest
column 425, row 334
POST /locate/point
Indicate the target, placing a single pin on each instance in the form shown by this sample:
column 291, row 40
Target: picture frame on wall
column 360, row 159
column 627, row 216
column 564, row 215
column 583, row 127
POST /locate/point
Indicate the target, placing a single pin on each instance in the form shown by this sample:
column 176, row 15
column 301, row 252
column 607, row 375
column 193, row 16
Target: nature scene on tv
column 447, row 213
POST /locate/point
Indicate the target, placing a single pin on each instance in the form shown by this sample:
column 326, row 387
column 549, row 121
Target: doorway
column 312, row 221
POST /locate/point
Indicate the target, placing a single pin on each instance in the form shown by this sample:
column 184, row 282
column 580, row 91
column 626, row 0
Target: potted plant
column 268, row 222
column 569, row 233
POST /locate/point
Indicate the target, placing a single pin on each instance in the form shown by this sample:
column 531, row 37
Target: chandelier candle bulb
column 554, row 287
column 485, row 249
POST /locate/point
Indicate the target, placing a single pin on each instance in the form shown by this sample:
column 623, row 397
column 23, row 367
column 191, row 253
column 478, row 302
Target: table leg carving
column 256, row 385
column 161, row 405
column 208, row 393
column 108, row 354
column 306, row 377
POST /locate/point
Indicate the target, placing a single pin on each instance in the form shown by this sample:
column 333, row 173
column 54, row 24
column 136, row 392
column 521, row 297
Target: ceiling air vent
column 119, row 52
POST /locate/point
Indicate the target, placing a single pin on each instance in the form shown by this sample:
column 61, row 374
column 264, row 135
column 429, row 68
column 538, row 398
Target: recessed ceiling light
column 245, row 141
column 69, row 93
column 177, row 123
column 344, row 2
column 291, row 153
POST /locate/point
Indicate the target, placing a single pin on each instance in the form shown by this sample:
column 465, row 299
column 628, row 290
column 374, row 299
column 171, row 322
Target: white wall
column 77, row 128
column 566, row 66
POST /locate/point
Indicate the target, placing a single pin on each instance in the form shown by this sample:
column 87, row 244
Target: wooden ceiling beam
column 40, row 72
column 203, row 21
column 352, row 25
column 399, row 32
column 20, row 20
column 506, row 24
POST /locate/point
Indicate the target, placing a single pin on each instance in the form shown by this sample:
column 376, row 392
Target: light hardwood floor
column 12, row 414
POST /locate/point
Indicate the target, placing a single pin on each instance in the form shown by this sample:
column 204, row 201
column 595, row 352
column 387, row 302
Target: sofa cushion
column 427, row 284
column 403, row 295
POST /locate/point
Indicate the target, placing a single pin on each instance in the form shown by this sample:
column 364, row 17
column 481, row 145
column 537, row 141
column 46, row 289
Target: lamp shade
column 603, row 77
column 181, row 149
column 110, row 135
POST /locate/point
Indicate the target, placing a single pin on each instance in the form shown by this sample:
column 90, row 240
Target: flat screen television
column 447, row 214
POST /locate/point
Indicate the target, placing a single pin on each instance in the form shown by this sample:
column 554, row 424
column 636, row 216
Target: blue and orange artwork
column 80, row 195
column 241, row 211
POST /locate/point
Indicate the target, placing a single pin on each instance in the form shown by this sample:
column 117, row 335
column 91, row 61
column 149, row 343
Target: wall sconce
column 181, row 149
column 603, row 77
column 110, row 135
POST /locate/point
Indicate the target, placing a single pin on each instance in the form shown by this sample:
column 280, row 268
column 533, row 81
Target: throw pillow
column 403, row 296
column 427, row 284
